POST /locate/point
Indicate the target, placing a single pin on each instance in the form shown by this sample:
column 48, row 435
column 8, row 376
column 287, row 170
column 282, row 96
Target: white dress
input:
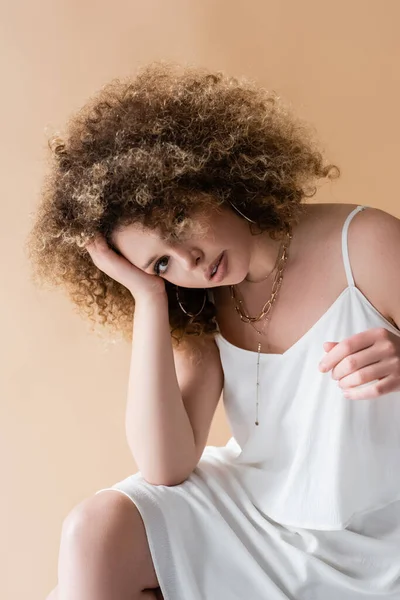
column 305, row 506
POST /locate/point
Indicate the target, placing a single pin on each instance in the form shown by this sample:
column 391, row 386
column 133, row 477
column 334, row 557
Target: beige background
column 63, row 390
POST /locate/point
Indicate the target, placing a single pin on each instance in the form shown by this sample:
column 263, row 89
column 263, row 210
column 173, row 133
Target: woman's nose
column 190, row 260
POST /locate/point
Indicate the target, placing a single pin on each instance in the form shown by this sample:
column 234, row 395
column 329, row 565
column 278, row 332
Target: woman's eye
column 157, row 266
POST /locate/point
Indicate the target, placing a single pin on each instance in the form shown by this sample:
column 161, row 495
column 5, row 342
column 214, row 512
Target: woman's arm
column 173, row 395
column 157, row 425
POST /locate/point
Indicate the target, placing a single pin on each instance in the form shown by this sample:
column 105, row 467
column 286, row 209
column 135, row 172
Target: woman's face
column 186, row 263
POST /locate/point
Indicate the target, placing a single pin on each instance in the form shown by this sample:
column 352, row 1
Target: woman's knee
column 99, row 515
column 109, row 528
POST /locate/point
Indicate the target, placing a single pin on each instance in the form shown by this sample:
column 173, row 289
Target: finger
column 365, row 375
column 374, row 390
column 97, row 241
column 329, row 345
column 350, row 345
column 356, row 361
column 91, row 247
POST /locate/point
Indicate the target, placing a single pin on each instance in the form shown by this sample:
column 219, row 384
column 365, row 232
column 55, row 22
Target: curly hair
column 151, row 150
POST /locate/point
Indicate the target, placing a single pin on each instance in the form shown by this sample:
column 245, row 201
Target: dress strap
column 345, row 249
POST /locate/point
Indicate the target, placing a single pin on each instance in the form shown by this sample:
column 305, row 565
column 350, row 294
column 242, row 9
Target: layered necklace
column 266, row 309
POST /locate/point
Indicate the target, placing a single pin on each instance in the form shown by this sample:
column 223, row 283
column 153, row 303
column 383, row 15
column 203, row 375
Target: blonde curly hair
column 151, row 149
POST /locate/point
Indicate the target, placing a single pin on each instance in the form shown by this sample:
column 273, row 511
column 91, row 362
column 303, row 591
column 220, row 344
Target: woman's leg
column 146, row 594
column 104, row 553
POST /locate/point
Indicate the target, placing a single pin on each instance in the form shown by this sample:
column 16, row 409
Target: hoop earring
column 247, row 218
column 180, row 304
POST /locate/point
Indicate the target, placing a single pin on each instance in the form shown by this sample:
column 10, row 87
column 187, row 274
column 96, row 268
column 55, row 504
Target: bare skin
column 116, row 556
column 314, row 274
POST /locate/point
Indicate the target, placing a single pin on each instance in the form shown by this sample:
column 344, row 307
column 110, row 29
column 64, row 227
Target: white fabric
column 305, row 506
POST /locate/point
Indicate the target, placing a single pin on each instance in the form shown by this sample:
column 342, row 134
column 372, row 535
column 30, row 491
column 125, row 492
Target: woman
column 179, row 197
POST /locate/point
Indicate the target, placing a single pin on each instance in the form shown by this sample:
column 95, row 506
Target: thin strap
column 345, row 249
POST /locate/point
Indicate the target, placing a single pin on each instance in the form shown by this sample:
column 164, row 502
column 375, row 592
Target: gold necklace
column 266, row 309
column 270, row 273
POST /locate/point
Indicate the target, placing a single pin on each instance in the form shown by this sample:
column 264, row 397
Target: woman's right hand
column 119, row 268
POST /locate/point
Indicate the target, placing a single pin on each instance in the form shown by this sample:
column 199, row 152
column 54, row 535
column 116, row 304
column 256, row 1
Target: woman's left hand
column 368, row 356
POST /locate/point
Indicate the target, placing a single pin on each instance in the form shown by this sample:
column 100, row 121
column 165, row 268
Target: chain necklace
column 270, row 273
column 266, row 309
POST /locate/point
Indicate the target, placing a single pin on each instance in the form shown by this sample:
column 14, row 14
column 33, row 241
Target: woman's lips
column 211, row 267
column 221, row 270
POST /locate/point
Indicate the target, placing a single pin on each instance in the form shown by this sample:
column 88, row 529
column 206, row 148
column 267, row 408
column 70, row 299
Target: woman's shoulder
column 368, row 224
column 319, row 224
column 322, row 222
column 327, row 210
column 373, row 247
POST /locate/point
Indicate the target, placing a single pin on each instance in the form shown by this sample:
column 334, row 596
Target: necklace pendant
column 246, row 318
